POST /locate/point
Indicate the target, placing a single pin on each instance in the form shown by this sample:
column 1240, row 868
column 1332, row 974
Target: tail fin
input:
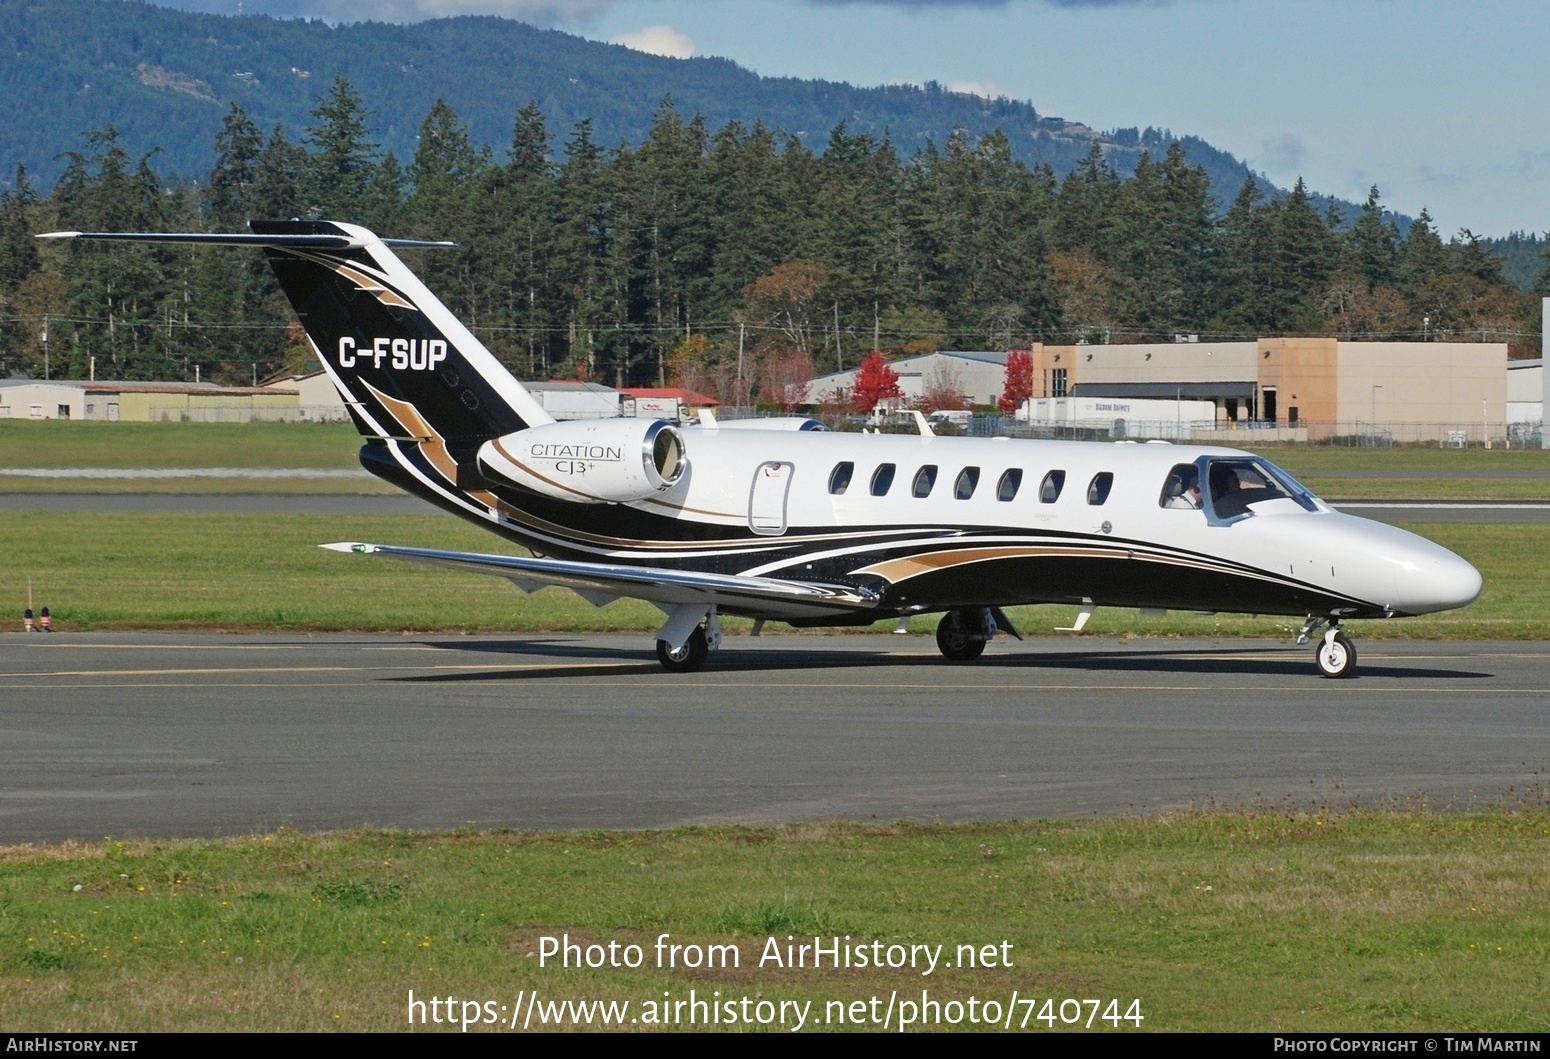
column 399, row 357
column 401, row 360
column 412, row 376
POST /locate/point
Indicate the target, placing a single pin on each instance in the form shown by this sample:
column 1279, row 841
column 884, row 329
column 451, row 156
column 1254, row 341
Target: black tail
column 420, row 387
column 401, row 360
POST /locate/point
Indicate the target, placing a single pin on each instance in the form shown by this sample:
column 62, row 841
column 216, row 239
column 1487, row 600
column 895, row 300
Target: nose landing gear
column 1335, row 654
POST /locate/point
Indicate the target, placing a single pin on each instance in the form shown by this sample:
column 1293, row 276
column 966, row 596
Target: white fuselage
column 812, row 504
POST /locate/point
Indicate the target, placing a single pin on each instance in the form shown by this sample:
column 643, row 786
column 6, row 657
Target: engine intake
column 600, row 461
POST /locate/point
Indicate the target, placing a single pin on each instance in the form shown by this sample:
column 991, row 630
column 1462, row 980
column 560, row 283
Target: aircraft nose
column 1431, row 578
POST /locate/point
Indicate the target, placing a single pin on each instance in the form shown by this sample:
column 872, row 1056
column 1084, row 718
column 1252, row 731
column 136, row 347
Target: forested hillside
column 164, row 78
column 708, row 247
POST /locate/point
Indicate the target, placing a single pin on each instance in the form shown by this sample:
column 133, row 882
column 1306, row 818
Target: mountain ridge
column 165, row 78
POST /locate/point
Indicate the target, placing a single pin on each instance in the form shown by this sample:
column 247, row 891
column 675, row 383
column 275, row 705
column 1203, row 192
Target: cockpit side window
column 1181, row 489
column 1236, row 485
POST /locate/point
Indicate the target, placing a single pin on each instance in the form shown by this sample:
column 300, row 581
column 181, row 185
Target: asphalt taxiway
column 204, row 734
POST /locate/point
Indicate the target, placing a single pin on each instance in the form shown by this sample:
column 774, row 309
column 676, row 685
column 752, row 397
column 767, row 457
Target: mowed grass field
column 266, row 572
column 1333, row 472
column 1310, row 919
column 1278, row 917
column 127, row 570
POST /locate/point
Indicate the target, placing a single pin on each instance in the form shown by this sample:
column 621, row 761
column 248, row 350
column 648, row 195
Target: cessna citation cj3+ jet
column 780, row 520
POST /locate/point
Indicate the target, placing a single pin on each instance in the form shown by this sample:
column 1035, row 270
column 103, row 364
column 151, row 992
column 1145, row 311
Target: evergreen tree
column 672, row 196
column 238, row 148
column 856, row 235
column 1244, row 299
column 581, row 242
column 1374, row 244
column 1306, row 256
column 1085, row 207
column 510, row 244
column 343, row 157
column 280, row 178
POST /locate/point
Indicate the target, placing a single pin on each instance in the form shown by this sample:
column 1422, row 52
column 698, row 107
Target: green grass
column 57, row 443
column 1313, row 918
column 1449, row 473
column 355, row 485
column 1459, row 463
column 1337, row 489
column 260, row 572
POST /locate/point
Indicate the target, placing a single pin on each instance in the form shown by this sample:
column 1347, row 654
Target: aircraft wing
column 601, row 583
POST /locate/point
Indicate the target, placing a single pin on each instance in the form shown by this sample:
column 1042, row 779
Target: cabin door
column 767, row 500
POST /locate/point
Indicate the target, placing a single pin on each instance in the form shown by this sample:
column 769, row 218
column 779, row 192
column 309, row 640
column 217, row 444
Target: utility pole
column 839, row 355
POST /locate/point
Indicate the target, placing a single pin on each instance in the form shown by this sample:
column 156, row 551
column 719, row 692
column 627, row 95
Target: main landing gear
column 962, row 634
column 1335, row 654
column 687, row 658
column 683, row 643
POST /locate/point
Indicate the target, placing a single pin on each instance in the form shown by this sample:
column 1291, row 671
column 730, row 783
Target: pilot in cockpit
column 1183, row 489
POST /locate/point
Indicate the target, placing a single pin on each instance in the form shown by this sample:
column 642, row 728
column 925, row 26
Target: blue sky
column 1441, row 103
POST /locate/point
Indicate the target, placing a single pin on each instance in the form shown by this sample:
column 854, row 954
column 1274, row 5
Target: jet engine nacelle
column 598, row 461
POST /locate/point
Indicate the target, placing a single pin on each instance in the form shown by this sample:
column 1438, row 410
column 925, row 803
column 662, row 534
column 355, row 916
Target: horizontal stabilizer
column 292, row 241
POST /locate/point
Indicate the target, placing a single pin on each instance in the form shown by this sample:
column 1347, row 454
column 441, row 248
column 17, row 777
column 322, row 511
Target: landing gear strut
column 961, row 635
column 693, row 645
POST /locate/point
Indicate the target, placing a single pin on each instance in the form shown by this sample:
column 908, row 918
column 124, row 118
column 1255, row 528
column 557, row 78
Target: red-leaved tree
column 875, row 380
column 1018, row 383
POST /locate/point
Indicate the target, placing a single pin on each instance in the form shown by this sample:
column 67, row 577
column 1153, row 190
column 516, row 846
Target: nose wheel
column 1336, row 655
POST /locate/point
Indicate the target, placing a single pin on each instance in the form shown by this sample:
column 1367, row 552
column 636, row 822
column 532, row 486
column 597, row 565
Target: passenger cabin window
column 839, row 478
column 1007, row 487
column 1181, row 489
column 1098, row 488
column 925, row 478
column 968, row 478
column 882, row 479
column 1049, row 490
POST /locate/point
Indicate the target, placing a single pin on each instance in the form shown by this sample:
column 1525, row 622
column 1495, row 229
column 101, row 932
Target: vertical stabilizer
column 406, row 367
column 420, row 387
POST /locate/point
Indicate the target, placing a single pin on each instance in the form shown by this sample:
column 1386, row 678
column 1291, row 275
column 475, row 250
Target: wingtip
column 59, row 235
column 350, row 546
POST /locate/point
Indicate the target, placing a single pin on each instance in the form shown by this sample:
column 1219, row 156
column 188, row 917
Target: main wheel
column 687, row 658
column 1336, row 656
column 956, row 643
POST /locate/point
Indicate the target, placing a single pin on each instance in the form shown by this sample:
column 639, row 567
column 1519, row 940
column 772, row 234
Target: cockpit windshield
column 1237, row 485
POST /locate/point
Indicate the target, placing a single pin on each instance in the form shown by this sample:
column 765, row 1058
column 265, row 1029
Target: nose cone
column 1428, row 577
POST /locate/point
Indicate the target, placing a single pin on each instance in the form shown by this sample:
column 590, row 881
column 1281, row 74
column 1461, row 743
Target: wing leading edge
column 601, row 583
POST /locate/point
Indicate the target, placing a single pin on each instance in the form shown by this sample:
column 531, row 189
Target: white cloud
column 1285, row 155
column 986, row 89
column 657, row 40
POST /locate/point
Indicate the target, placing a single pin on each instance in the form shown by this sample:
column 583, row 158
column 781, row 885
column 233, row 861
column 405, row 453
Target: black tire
column 689, row 657
column 955, row 642
column 1336, row 657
